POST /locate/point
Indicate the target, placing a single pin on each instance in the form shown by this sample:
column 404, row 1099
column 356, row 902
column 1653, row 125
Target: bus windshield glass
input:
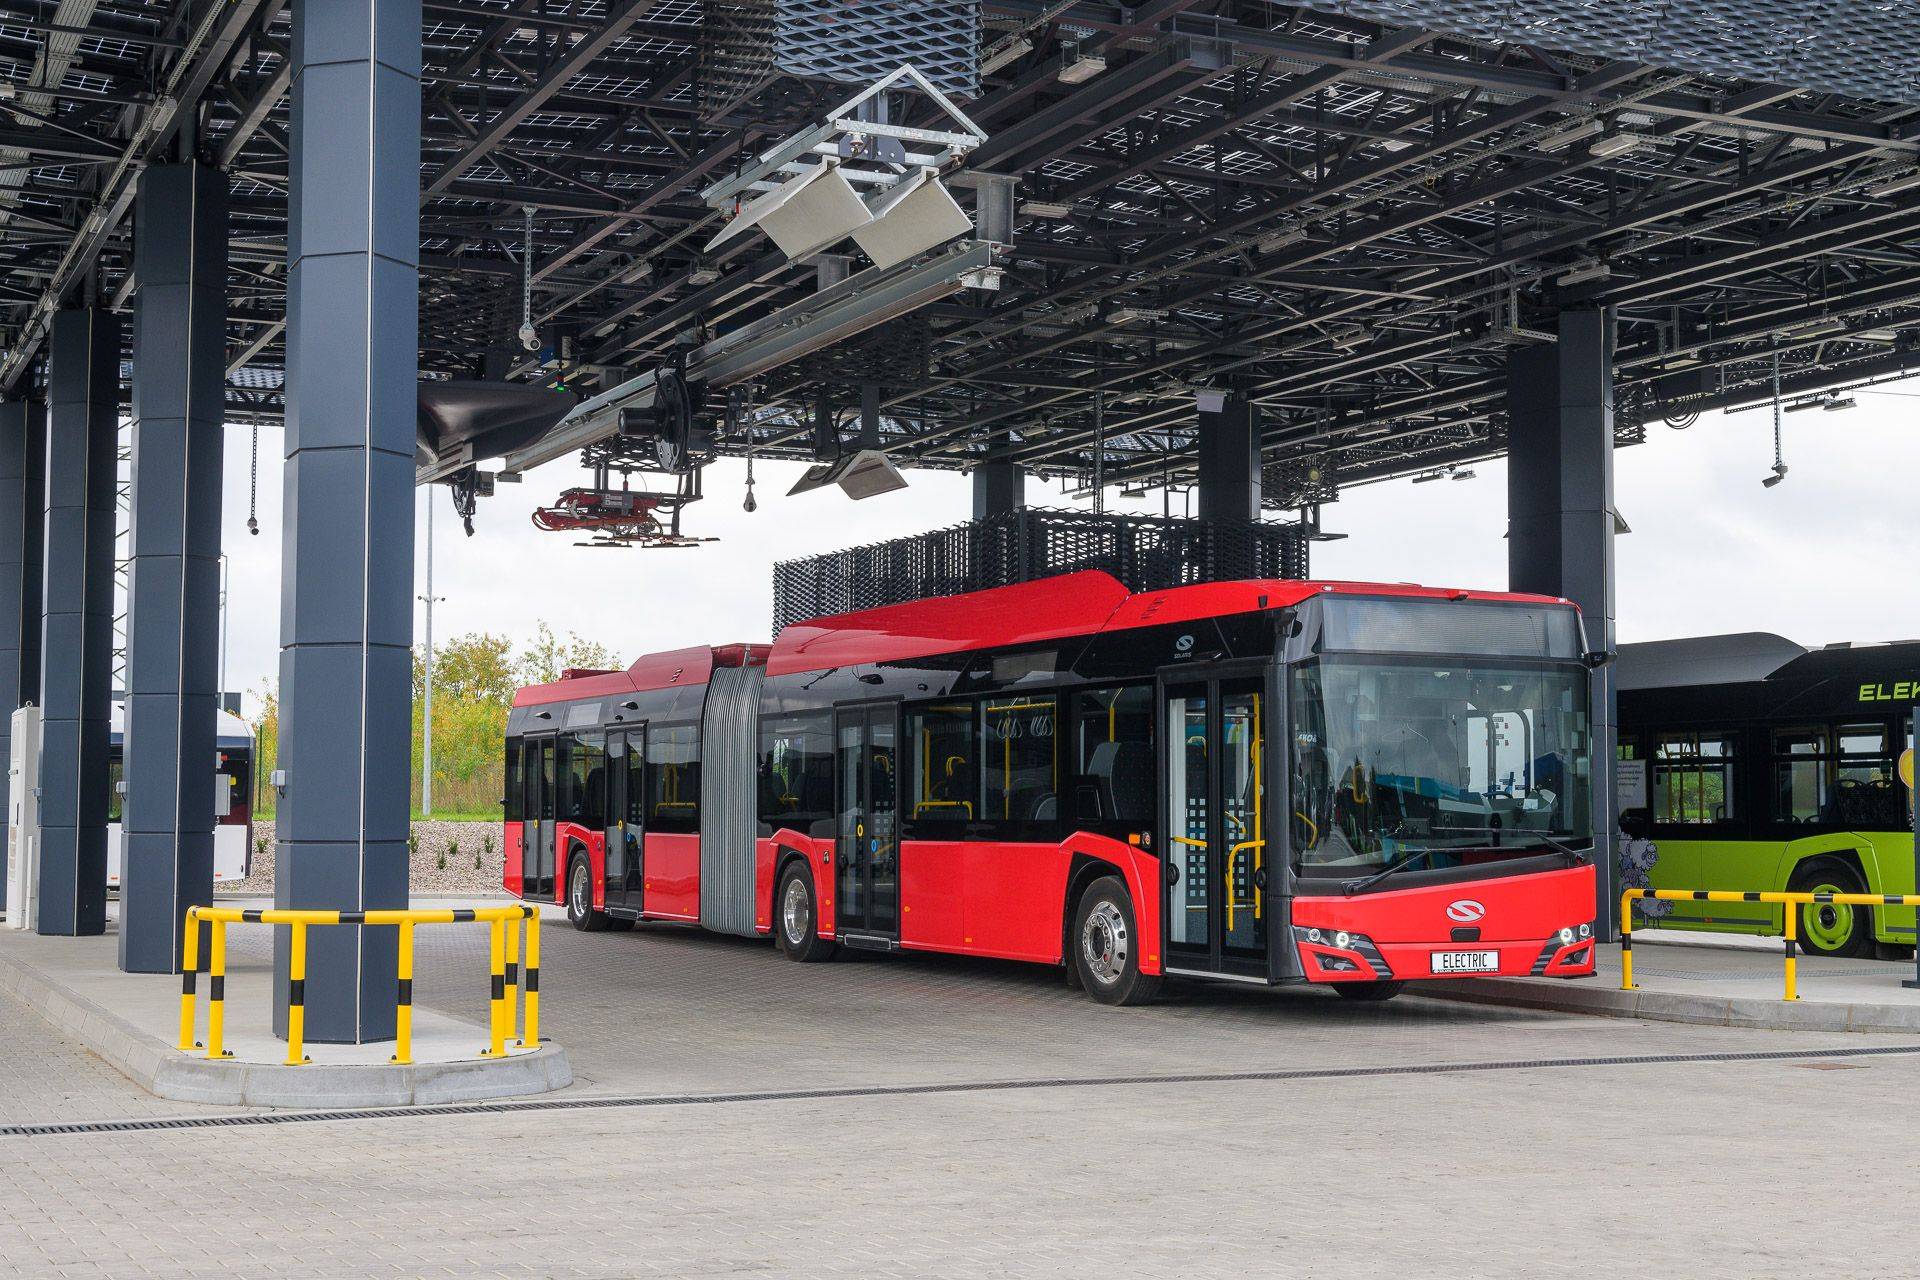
column 1465, row 761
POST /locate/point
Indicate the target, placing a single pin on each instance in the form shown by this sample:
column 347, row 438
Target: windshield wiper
column 1577, row 855
column 1367, row 882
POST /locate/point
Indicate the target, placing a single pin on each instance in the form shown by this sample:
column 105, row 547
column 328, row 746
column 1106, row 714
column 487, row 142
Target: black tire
column 580, row 912
column 1368, row 991
column 1822, row 926
column 1104, row 946
column 796, row 918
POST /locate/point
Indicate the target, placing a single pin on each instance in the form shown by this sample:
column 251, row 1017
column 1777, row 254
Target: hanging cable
column 253, row 486
column 529, row 337
column 1779, row 462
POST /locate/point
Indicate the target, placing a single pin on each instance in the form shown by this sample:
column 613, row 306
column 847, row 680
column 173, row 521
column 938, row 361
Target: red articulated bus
column 1262, row 781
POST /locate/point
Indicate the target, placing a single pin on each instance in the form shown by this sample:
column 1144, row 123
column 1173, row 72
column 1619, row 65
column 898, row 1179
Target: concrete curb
column 165, row 1072
column 1673, row 1006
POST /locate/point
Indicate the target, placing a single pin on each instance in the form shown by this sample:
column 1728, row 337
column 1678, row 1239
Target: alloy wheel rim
column 1828, row 925
column 793, row 911
column 1104, row 942
column 579, row 894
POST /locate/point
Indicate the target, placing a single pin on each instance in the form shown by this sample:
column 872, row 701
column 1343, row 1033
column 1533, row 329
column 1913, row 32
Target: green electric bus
column 1747, row 762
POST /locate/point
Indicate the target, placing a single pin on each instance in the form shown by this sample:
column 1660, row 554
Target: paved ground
column 1539, row 1161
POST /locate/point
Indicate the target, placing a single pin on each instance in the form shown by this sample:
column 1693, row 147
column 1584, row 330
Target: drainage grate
column 909, row 1090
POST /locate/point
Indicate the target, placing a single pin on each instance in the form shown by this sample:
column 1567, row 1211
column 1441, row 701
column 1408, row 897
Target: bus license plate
column 1466, row 962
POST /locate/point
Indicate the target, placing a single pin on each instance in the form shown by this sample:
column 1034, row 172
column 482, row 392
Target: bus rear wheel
column 580, row 912
column 796, row 921
column 1826, row 929
column 1105, row 946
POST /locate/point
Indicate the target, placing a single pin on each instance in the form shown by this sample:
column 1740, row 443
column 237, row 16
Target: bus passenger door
column 1214, row 802
column 867, row 852
column 626, row 827
column 532, row 770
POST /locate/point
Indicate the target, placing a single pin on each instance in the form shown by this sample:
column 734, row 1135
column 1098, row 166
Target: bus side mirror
column 1594, row 659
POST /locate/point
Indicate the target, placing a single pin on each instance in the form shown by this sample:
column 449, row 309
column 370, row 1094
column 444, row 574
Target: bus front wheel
column 1368, row 990
column 1106, row 946
column 580, row 912
column 796, row 922
column 1826, row 929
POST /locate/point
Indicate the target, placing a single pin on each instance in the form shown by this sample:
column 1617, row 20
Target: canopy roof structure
column 1350, row 212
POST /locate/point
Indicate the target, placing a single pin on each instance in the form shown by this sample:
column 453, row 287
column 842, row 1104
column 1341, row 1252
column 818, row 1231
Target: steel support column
column 1229, row 480
column 998, row 487
column 1561, row 522
column 346, row 620
column 23, row 459
column 76, row 636
column 173, row 596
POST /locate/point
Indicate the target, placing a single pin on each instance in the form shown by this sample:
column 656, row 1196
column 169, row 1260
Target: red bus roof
column 1075, row 604
column 650, row 671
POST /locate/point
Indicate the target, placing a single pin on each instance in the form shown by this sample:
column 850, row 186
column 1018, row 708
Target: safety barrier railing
column 1789, row 935
column 503, row 958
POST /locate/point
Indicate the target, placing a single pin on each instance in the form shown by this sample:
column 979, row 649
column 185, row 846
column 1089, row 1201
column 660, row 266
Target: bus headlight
column 1566, row 937
column 1586, row 931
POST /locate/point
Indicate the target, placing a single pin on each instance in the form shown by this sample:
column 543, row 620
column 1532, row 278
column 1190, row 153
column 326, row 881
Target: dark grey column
column 173, row 597
column 76, row 636
column 23, row 456
column 1561, row 521
column 1230, row 462
column 346, row 620
column 1229, row 457
column 998, row 487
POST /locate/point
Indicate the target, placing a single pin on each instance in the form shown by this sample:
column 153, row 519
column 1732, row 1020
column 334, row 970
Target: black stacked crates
column 1146, row 553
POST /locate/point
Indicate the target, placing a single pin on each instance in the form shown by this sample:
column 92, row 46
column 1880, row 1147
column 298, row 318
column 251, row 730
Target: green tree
column 479, row 665
column 266, row 749
column 546, row 656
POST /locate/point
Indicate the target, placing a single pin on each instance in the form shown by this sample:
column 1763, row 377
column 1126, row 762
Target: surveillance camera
column 529, row 338
column 1779, row 474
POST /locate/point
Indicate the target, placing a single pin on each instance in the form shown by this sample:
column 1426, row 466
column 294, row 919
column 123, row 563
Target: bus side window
column 1020, row 758
column 511, row 786
column 673, row 778
column 1114, row 768
column 1693, row 778
column 944, row 753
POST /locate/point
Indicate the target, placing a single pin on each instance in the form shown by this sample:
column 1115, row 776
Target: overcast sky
column 1831, row 554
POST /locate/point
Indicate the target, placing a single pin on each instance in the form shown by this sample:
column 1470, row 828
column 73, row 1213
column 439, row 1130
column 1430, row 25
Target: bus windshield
column 1469, row 760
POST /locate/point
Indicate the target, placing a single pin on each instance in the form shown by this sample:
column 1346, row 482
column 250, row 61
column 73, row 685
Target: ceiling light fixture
column 1583, row 273
column 1045, row 209
column 1280, row 240
column 1618, row 144
column 1077, row 67
column 1558, row 138
column 1902, row 183
column 1000, row 55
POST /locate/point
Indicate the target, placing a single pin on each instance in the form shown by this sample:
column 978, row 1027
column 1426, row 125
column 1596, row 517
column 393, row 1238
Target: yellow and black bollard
column 403, row 1006
column 1792, row 932
column 496, row 1008
column 530, row 1029
column 189, row 963
column 513, row 975
column 297, row 996
column 217, row 992
column 1626, row 938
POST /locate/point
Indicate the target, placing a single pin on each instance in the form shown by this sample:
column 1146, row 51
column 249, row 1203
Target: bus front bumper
column 1532, row 925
